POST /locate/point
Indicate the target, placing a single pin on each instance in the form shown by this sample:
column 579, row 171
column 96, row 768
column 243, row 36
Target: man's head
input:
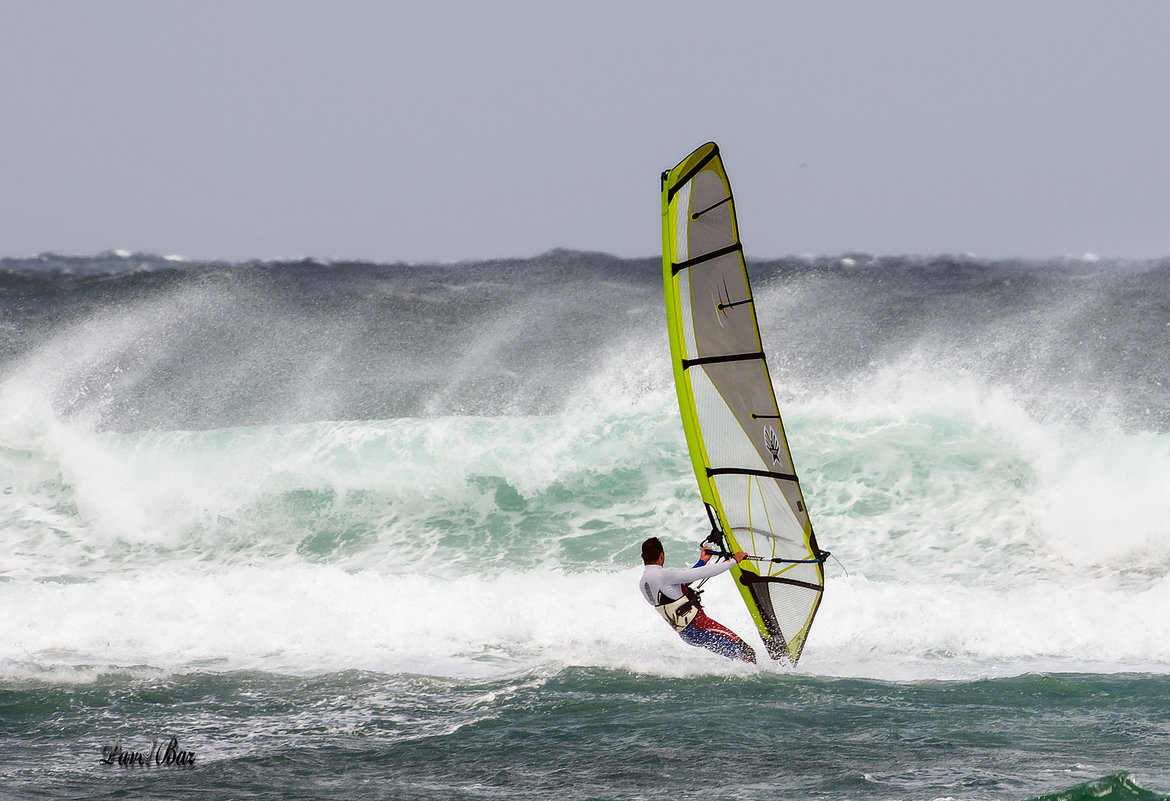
column 652, row 553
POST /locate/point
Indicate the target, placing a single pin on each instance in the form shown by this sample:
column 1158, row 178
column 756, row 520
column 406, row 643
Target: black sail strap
column 747, row 471
column 675, row 269
column 730, row 357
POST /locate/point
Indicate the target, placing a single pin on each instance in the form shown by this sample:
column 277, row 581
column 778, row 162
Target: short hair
column 651, row 550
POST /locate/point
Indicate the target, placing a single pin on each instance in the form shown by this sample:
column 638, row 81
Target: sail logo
column 772, row 443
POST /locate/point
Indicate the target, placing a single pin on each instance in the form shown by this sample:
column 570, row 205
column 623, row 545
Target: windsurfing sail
column 732, row 422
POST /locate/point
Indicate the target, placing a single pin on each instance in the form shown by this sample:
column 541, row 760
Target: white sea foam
column 312, row 618
column 979, row 540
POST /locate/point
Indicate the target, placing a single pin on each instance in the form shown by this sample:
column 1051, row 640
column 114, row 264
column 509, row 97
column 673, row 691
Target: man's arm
column 676, row 575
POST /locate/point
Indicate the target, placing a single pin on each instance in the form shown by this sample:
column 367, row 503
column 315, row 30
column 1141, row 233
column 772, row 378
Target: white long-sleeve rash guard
column 669, row 580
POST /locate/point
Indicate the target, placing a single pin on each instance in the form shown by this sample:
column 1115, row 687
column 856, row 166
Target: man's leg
column 706, row 633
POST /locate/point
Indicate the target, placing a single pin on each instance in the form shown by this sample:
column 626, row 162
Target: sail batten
column 734, row 431
column 697, row 260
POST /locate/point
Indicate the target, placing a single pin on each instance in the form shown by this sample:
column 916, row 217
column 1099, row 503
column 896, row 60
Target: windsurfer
column 668, row 591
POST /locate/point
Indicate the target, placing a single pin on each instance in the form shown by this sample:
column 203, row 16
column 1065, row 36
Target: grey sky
column 448, row 130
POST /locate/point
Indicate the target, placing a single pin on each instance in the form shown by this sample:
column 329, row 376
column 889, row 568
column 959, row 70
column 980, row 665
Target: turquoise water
column 394, row 584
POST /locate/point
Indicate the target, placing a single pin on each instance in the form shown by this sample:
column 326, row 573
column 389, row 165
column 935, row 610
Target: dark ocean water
column 591, row 733
column 370, row 531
